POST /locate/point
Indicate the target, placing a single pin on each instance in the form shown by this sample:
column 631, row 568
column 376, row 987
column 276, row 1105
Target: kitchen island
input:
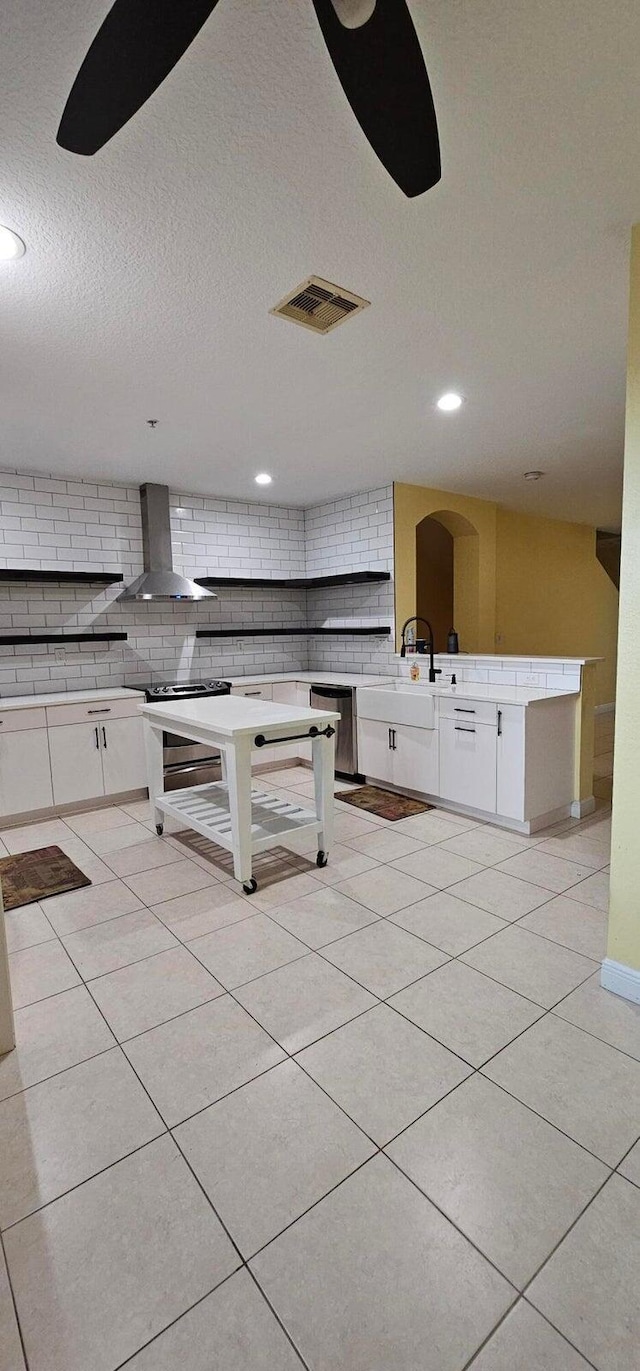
column 229, row 812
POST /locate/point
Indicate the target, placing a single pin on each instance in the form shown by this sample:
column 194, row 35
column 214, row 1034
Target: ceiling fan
column 372, row 43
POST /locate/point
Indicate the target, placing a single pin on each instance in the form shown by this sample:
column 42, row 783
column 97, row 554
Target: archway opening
column 434, row 579
column 448, row 577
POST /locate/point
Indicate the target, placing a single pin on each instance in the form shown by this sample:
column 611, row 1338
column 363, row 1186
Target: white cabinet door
column 375, row 754
column 415, row 758
column 511, row 754
column 124, row 765
column 468, row 764
column 76, row 763
column 285, row 692
column 25, row 771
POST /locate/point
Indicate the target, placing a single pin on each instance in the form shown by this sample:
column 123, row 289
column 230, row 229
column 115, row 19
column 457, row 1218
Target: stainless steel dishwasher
column 342, row 699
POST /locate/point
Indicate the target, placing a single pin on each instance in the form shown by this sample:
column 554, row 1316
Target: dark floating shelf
column 378, row 631
column 19, row 639
column 345, row 578
column 97, row 578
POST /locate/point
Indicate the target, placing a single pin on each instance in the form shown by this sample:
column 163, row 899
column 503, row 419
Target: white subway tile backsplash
column 49, row 521
column 477, row 675
column 563, row 680
column 502, row 677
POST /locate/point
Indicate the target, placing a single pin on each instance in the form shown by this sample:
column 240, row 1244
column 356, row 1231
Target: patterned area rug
column 30, row 876
column 385, row 803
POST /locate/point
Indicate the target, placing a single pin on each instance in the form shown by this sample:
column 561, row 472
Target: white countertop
column 232, row 716
column 492, row 657
column 501, row 695
column 523, row 695
column 67, row 697
column 327, row 678
column 468, row 690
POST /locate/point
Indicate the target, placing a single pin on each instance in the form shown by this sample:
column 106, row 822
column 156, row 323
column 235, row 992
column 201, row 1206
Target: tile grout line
column 468, row 1366
column 521, row 1291
column 123, row 1364
column 479, row 1070
column 14, row 1303
column 102, row 1170
column 572, row 1225
column 276, row 1316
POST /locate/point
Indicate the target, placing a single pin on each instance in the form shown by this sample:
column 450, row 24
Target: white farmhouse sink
column 400, row 702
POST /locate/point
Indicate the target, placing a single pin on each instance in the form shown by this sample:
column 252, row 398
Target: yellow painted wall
column 539, row 591
column 553, row 598
column 624, row 907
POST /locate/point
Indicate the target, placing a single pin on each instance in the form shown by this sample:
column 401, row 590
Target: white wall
column 49, row 521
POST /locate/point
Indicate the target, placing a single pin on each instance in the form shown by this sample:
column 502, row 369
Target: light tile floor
column 379, row 1117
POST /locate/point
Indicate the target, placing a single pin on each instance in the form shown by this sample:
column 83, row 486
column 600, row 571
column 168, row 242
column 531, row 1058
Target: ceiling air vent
column 319, row 305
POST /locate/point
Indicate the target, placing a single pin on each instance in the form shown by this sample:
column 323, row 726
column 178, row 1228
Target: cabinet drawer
column 13, row 720
column 95, row 711
column 469, row 711
column 259, row 692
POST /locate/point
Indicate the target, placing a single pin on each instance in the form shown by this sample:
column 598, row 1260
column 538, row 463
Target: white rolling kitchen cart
column 232, row 812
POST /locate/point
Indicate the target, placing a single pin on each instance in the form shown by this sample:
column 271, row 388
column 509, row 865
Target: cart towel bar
column 328, row 732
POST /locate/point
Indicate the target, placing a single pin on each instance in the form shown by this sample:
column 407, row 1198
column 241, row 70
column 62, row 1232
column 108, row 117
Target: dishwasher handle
column 332, row 692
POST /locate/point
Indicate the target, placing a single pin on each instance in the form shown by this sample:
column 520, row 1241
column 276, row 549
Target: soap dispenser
column 452, row 642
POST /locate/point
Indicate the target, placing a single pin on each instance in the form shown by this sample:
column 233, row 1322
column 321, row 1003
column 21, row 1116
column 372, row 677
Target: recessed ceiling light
column 533, row 475
column 449, row 401
column 11, row 246
column 263, row 479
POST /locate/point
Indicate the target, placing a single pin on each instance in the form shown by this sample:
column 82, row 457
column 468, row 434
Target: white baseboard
column 606, row 709
column 580, row 808
column 620, row 980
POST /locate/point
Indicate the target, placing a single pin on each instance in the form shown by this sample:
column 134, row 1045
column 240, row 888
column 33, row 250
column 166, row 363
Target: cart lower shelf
column 205, row 808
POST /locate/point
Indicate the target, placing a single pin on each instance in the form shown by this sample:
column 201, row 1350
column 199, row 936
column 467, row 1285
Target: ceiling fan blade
column 381, row 69
column 136, row 47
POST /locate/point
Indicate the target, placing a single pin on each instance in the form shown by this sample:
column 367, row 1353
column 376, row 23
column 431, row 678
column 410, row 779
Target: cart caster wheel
column 321, row 859
column 250, row 887
column 159, row 829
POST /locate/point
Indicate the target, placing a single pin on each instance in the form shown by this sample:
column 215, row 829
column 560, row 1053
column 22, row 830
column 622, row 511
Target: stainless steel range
column 186, row 763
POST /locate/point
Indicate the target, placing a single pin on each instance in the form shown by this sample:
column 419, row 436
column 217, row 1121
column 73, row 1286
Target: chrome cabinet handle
column 460, row 729
column 98, row 711
column 97, row 736
column 104, row 736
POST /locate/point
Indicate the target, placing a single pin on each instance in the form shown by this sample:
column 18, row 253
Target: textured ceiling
column 151, row 267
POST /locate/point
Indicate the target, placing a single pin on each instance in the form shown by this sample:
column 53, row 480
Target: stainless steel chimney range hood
column 159, row 581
